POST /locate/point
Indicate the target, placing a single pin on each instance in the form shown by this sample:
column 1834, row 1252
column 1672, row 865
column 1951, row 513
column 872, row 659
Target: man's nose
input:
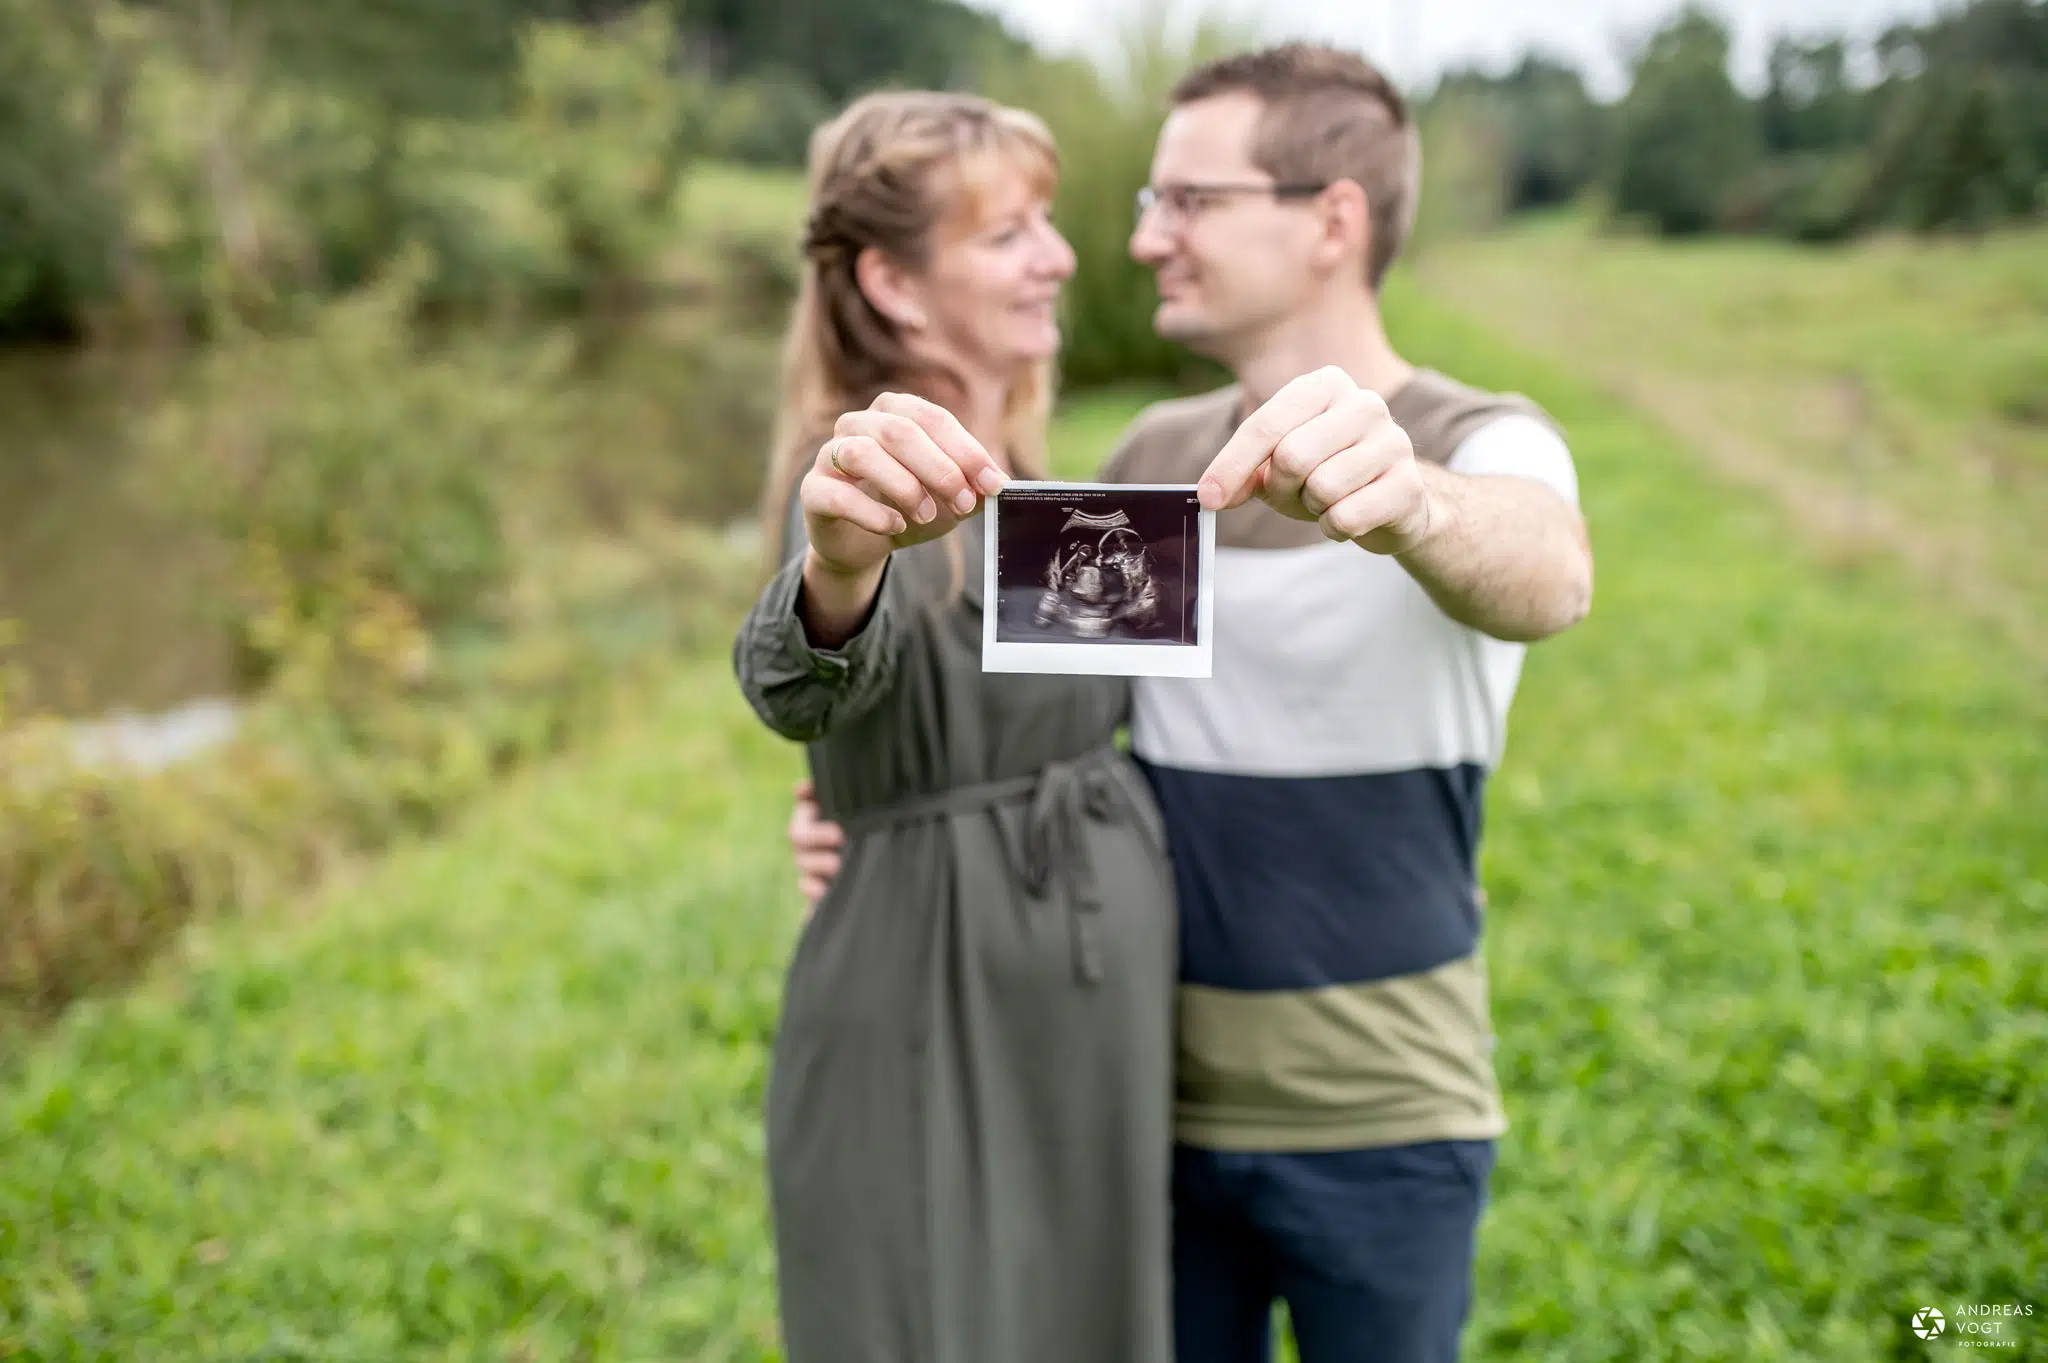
column 1150, row 243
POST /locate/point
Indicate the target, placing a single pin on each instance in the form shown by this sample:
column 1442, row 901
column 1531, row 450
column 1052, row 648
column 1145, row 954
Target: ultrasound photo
column 1099, row 578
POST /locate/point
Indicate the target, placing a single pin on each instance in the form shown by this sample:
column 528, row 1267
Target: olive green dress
column 969, row 1117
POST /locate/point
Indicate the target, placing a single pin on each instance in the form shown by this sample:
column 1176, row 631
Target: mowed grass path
column 1894, row 394
column 1769, row 886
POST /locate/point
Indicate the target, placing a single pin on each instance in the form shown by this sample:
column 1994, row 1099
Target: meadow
column 1894, row 396
column 1769, row 902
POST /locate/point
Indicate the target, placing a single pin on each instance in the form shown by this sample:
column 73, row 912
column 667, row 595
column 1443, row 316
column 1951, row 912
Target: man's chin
column 1183, row 327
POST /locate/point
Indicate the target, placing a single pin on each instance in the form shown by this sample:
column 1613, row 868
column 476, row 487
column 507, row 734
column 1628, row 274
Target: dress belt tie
column 1063, row 796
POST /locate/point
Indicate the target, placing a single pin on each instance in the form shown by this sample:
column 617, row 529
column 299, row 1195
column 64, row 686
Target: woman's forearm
column 835, row 604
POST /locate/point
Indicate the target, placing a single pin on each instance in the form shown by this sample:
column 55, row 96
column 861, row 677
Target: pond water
column 107, row 592
column 114, row 600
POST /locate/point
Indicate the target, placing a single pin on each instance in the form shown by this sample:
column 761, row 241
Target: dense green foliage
column 1939, row 143
column 1549, row 123
column 1953, row 134
column 164, row 163
column 182, row 178
column 165, row 160
column 1684, row 136
column 1768, row 897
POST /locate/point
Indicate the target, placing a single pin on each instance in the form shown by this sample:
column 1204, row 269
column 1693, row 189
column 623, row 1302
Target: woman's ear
column 889, row 289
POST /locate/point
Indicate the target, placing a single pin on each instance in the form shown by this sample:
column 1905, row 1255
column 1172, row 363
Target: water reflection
column 152, row 742
column 118, row 601
column 110, row 592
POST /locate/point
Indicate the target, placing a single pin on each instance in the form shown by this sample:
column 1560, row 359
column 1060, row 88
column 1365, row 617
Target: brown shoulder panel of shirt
column 1174, row 441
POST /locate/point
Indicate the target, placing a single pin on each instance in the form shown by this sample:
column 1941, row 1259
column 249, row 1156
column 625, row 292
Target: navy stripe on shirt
column 1289, row 882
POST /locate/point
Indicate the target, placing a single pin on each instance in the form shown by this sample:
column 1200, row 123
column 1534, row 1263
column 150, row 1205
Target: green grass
column 748, row 201
column 496, row 1101
column 1769, row 893
column 1894, row 394
column 1769, row 905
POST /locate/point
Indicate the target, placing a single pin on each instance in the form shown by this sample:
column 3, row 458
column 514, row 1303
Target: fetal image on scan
column 1100, row 566
column 1101, row 578
column 1105, row 580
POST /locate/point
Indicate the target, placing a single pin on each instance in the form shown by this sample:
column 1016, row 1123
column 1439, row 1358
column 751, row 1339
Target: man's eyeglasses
column 1181, row 202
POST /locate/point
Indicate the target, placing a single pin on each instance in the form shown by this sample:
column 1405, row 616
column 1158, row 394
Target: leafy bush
column 199, row 183
column 567, row 200
column 354, row 452
column 1466, row 170
column 354, row 747
column 1976, row 171
column 677, row 429
column 1541, row 121
column 606, row 124
column 1686, row 135
column 57, row 226
column 430, row 592
column 766, row 120
column 1806, row 196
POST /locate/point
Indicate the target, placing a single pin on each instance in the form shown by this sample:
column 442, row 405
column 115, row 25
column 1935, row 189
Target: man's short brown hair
column 1328, row 115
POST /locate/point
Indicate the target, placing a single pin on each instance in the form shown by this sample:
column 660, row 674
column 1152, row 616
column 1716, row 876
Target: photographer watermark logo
column 1974, row 1325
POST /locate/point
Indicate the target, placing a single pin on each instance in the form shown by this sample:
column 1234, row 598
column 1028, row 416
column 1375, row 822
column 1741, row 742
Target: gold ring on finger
column 838, row 467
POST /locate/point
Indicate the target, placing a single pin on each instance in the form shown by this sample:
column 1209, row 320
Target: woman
column 969, row 1115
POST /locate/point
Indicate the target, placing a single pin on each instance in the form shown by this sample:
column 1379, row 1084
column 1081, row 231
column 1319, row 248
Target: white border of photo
column 1101, row 659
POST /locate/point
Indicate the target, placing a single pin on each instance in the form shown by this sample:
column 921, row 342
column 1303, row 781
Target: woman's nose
column 1059, row 256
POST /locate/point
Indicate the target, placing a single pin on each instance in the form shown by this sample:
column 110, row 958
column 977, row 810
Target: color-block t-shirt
column 1323, row 797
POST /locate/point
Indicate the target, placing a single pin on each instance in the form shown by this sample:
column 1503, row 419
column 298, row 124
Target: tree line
column 1944, row 128
column 157, row 156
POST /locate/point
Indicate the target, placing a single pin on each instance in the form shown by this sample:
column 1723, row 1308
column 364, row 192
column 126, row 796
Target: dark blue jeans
column 1370, row 1249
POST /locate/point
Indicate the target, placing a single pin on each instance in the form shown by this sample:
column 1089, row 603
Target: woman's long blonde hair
column 885, row 174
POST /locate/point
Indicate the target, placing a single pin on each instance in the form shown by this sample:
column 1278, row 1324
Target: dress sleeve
column 799, row 690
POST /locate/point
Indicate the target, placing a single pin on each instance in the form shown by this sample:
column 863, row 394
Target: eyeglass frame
column 1150, row 195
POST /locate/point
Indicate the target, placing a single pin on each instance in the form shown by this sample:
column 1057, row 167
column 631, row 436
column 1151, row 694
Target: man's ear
column 889, row 288
column 1346, row 219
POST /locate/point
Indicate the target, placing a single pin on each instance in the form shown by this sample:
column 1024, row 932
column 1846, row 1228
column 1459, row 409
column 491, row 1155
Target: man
column 1389, row 541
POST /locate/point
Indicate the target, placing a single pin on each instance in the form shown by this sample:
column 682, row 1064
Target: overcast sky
column 1418, row 38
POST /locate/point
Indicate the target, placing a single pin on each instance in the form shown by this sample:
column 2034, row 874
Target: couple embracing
column 1091, row 1055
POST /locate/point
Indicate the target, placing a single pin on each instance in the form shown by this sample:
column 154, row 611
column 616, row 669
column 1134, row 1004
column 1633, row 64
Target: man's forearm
column 1504, row 555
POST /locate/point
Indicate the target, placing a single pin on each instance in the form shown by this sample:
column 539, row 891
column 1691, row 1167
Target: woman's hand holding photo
column 899, row 473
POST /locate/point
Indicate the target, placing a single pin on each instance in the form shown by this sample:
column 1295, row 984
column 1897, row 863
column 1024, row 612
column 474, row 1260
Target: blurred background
column 392, row 894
